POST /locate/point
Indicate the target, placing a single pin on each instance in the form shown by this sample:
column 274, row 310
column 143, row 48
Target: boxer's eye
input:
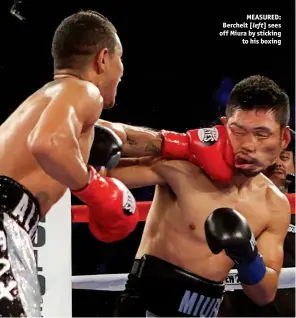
column 240, row 133
column 262, row 134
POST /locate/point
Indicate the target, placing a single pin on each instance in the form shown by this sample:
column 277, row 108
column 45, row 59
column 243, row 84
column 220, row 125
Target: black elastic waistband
column 20, row 204
column 153, row 268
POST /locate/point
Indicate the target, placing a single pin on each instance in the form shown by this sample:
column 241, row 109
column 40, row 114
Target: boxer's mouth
column 244, row 162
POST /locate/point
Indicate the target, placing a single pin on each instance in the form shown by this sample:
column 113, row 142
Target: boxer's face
column 257, row 140
column 110, row 71
column 283, row 165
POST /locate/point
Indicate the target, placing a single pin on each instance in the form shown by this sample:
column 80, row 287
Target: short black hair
column 79, row 37
column 259, row 93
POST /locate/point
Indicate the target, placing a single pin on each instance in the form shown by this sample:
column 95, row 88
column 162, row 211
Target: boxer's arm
column 136, row 172
column 199, row 146
column 137, row 141
column 54, row 141
column 270, row 246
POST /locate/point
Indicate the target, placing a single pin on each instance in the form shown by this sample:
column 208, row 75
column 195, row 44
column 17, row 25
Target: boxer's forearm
column 264, row 292
column 137, row 141
column 142, row 142
column 136, row 172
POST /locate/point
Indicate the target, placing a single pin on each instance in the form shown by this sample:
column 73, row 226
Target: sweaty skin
column 185, row 197
column 53, row 130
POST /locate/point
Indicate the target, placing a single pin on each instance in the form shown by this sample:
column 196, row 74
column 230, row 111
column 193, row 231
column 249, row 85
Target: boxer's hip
column 168, row 290
column 20, row 204
column 19, row 216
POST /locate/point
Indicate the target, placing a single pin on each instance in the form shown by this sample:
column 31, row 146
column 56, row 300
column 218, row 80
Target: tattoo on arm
column 153, row 147
column 131, row 142
column 142, row 141
column 140, row 149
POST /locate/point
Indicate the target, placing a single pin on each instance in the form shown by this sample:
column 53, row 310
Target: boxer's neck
column 241, row 181
column 86, row 75
column 65, row 73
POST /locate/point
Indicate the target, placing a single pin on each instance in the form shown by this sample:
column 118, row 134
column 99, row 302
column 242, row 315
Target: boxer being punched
column 235, row 302
column 45, row 147
column 203, row 221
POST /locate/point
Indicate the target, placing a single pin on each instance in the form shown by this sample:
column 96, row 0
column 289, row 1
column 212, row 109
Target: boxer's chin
column 109, row 106
column 250, row 172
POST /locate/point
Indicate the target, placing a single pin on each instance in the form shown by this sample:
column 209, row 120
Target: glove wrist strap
column 175, row 145
column 251, row 273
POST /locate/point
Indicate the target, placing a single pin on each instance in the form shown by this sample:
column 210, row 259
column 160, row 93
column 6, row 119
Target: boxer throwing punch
column 203, row 221
column 45, row 147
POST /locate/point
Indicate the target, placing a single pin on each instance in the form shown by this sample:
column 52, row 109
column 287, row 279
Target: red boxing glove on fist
column 113, row 213
column 208, row 148
column 291, row 197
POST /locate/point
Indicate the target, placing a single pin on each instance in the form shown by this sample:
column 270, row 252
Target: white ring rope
column 116, row 282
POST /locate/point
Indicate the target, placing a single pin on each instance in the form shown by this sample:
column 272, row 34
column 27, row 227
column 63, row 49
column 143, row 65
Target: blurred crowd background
column 178, row 74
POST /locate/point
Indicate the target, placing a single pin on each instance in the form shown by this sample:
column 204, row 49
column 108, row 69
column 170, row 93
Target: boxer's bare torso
column 17, row 161
column 184, row 198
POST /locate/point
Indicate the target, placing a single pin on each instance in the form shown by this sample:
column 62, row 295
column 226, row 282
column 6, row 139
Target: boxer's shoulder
column 71, row 87
column 276, row 200
column 78, row 95
column 80, row 87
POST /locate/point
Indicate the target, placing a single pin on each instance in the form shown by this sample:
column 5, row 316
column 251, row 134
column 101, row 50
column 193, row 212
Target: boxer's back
column 174, row 228
column 16, row 161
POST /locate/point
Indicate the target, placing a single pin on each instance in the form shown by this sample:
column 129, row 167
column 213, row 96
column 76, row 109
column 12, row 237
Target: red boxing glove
column 113, row 213
column 291, row 197
column 208, row 148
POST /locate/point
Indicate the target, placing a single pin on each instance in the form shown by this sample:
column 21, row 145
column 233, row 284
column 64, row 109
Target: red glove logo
column 208, row 136
column 128, row 201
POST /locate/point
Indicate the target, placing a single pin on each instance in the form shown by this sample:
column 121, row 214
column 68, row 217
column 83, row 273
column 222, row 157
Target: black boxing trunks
column 19, row 286
column 156, row 288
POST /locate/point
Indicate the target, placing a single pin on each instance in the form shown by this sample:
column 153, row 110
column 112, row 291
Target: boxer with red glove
column 208, row 148
column 113, row 211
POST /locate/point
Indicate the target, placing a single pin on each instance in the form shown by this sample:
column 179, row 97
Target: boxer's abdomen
column 174, row 229
column 167, row 236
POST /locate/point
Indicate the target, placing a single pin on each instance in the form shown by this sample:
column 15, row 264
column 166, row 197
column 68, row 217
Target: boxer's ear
column 223, row 120
column 286, row 137
column 100, row 60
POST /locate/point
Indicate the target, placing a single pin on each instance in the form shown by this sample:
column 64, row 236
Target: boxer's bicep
column 270, row 243
column 55, row 140
column 57, row 125
column 270, row 246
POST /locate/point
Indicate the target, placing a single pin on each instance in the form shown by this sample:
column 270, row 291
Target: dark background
column 178, row 73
